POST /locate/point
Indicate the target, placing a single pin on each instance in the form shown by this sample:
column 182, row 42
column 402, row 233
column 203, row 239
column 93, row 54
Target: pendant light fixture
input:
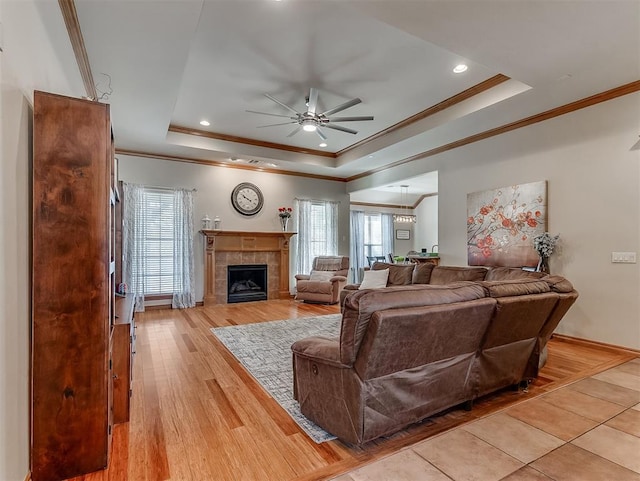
column 404, row 217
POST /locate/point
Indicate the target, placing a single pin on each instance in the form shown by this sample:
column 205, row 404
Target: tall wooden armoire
column 72, row 291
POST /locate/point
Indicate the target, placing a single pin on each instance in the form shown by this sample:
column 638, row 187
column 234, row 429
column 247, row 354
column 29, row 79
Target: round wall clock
column 247, row 198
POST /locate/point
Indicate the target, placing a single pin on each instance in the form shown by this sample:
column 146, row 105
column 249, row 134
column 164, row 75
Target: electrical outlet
column 623, row 257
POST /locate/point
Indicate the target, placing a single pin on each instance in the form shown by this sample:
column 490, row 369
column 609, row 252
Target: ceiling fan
column 311, row 121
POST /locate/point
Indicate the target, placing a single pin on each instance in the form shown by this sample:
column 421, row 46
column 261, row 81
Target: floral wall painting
column 501, row 225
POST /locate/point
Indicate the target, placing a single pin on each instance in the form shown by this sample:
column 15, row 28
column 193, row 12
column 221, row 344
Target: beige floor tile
column 571, row 463
column 628, row 421
column 403, row 466
column 527, row 474
column 619, row 377
column 551, row 419
column 343, row 477
column 614, row 445
column 636, row 407
column 585, row 405
column 631, row 367
column 607, row 391
column 514, row 437
column 464, row 457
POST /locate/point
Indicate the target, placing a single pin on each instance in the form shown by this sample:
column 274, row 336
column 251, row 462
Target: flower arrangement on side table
column 544, row 244
column 285, row 214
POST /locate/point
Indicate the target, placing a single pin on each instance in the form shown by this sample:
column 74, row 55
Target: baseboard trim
column 597, row 344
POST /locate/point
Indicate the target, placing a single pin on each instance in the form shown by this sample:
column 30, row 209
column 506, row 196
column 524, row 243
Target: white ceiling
column 177, row 62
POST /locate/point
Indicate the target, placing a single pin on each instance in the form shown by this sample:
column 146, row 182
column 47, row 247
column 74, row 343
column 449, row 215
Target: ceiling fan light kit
column 311, row 121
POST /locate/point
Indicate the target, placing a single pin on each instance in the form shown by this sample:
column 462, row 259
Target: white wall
column 29, row 61
column 426, row 230
column 214, row 185
column 594, row 204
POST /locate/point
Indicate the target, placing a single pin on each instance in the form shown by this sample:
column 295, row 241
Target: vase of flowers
column 544, row 244
column 285, row 214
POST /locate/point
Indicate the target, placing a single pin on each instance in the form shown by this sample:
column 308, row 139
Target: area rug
column 264, row 349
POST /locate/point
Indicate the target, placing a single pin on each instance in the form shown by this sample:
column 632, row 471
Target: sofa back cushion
column 331, row 263
column 508, row 273
column 399, row 274
column 360, row 305
column 515, row 287
column 422, row 273
column 407, row 338
column 442, row 275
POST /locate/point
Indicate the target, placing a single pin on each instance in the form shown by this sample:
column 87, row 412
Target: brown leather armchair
column 328, row 277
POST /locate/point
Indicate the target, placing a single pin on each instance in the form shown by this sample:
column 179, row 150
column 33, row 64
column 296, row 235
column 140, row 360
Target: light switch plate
column 623, row 257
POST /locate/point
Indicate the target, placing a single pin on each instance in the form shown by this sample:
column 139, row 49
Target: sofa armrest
column 319, row 349
column 338, row 279
column 302, row 277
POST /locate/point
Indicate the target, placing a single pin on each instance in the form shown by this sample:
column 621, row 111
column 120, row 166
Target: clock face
column 247, row 199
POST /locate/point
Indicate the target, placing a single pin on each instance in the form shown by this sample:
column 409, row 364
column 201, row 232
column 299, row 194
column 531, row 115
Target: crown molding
column 245, row 140
column 219, row 163
column 518, row 124
column 68, row 9
column 434, row 109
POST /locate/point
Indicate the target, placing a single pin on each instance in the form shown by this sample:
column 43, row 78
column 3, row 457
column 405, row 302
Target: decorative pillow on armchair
column 322, row 276
column 374, row 279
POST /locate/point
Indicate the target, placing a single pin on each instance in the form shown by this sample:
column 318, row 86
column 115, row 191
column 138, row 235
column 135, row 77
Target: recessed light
column 205, row 123
column 322, row 144
column 460, row 68
column 271, row 164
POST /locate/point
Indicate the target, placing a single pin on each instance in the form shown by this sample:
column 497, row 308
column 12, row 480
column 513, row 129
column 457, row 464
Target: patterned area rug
column 264, row 349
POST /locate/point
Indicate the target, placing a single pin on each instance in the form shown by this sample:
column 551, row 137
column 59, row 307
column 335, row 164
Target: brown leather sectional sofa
column 410, row 351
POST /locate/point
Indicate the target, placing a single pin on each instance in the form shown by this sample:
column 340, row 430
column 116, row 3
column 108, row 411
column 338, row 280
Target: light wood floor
column 198, row 415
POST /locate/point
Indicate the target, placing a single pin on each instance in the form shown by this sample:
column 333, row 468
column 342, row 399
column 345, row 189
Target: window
column 317, row 231
column 158, row 240
column 373, row 235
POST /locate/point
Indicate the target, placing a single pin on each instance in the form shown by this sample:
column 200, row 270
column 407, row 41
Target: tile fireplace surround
column 224, row 248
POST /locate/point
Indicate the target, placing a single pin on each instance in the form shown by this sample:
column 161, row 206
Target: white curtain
column 133, row 227
column 386, row 221
column 134, row 235
column 317, row 232
column 183, row 273
column 357, row 256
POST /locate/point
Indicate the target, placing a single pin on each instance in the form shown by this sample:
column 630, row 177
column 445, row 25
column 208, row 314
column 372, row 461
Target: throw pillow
column 374, row 279
column 323, row 276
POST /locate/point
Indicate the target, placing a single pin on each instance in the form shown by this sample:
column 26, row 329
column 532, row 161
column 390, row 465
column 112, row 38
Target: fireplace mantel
column 225, row 247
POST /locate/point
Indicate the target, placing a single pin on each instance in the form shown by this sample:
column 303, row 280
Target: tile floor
column 587, row 431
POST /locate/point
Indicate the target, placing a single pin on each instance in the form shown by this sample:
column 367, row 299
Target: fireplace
column 246, row 282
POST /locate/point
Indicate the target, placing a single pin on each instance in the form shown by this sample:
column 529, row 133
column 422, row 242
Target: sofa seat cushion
column 508, row 273
column 316, row 287
column 442, row 275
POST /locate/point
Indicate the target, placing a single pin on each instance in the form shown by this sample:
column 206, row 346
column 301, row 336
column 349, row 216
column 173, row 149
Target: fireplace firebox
column 246, row 282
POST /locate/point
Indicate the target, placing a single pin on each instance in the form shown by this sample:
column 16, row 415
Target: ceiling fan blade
column 273, row 125
column 295, row 131
column 270, row 97
column 340, row 127
column 341, row 107
column 267, row 113
column 313, row 100
column 321, row 134
column 351, row 119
